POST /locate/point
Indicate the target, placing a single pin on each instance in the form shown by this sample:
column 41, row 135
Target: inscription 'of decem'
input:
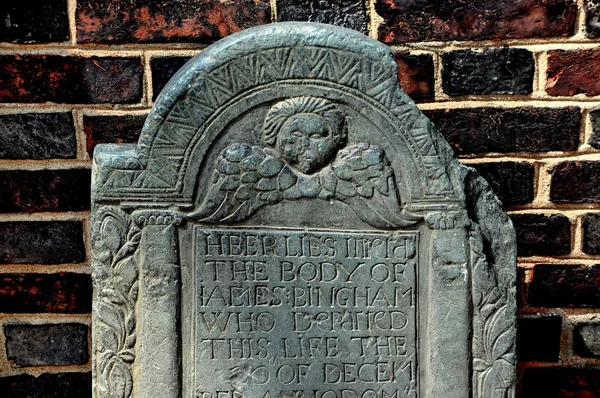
column 270, row 307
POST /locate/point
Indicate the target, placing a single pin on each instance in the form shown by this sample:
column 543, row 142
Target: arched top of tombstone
column 256, row 68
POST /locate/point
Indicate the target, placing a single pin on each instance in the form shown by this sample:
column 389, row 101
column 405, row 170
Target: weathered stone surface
column 44, row 190
column 573, row 72
column 415, row 73
column 587, row 339
column 512, row 182
column 37, row 136
column 126, row 21
column 47, row 385
column 112, row 129
column 558, row 382
column 591, row 233
column 51, row 242
column 57, row 344
column 65, row 293
column 541, row 235
column 524, row 129
column 565, row 285
column 291, row 220
column 538, row 338
column 474, row 20
column 491, row 71
column 70, row 80
column 42, row 22
column 575, row 182
column 163, row 70
column 347, row 13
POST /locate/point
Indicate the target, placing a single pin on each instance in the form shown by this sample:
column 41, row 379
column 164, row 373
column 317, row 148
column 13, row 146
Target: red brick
column 34, row 22
column 538, row 338
column 41, row 242
column 163, row 69
column 47, row 385
column 50, row 344
column 65, row 293
column 573, row 72
column 44, row 190
column 37, row 136
column 542, row 235
column 522, row 129
column 561, row 382
column 140, row 21
column 415, row 73
column 575, row 182
column 71, row 80
column 564, row 285
column 475, row 19
column 112, row 129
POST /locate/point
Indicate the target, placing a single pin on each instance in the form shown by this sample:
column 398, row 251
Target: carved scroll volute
column 115, row 276
column 449, row 296
column 158, row 363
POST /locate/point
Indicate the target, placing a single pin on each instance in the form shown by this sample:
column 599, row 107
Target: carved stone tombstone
column 291, row 225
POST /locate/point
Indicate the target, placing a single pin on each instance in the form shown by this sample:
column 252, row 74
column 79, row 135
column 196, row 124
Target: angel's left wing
column 362, row 177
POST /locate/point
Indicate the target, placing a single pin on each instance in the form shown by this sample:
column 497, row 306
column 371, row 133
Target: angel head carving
column 307, row 132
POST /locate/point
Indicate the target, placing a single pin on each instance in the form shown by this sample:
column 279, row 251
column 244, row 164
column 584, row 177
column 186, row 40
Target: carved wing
column 362, row 177
column 245, row 179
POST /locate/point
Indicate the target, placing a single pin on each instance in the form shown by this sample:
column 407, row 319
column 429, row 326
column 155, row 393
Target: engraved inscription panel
column 314, row 314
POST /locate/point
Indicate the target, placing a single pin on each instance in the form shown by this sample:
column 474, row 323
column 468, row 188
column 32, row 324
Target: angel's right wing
column 245, row 179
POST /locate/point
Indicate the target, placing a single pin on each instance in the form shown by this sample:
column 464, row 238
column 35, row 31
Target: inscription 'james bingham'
column 306, row 314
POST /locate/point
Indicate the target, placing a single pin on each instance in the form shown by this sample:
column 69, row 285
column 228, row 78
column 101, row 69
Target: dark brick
column 560, row 285
column 575, row 182
column 594, row 140
column 525, row 129
column 592, row 18
column 37, row 136
column 52, row 242
column 512, row 182
column 587, row 339
column 65, row 293
column 573, row 72
column 492, row 71
column 140, row 21
column 112, row 129
column 347, row 13
column 163, row 70
column 591, row 233
column 72, row 80
column 474, row 20
column 34, row 22
column 556, row 382
column 44, row 190
column 415, row 73
column 36, row 345
column 56, row 385
column 538, row 338
column 541, row 235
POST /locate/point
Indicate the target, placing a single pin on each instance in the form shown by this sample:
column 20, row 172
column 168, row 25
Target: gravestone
column 291, row 225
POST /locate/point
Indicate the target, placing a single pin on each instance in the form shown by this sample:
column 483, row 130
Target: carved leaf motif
column 115, row 240
column 493, row 329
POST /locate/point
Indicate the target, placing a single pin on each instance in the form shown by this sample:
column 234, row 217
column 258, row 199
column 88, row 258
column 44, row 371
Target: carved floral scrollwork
column 494, row 330
column 115, row 276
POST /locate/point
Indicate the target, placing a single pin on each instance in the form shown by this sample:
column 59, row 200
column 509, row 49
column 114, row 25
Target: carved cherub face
column 306, row 142
column 307, row 132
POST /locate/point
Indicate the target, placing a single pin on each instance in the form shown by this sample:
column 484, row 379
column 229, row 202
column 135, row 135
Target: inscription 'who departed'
column 271, row 306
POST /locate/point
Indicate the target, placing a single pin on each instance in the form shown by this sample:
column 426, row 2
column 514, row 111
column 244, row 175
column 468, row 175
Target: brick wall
column 514, row 85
